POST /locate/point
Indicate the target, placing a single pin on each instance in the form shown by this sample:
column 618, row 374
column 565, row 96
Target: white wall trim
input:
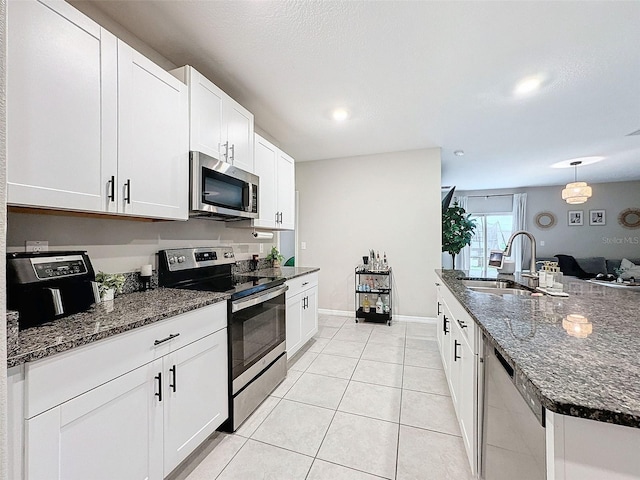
column 336, row 313
column 396, row 318
column 414, row 319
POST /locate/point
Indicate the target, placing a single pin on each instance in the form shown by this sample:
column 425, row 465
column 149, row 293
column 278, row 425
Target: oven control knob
column 181, row 259
column 172, row 260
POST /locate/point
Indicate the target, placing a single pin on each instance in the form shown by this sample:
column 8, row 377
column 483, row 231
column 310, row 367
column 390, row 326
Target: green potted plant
column 275, row 257
column 457, row 230
column 109, row 284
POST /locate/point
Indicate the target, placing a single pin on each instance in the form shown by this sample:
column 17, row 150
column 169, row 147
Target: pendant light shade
column 576, row 192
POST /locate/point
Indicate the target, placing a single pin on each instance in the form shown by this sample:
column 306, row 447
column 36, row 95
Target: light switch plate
column 303, row 245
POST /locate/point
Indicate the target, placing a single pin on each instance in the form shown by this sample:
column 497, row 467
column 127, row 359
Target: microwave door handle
column 249, row 201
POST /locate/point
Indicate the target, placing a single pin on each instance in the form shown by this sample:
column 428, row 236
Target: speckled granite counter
column 597, row 377
column 106, row 319
column 286, row 272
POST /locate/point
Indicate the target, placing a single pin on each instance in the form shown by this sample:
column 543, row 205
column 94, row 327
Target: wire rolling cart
column 374, row 284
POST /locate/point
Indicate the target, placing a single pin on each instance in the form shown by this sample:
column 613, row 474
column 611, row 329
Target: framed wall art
column 597, row 217
column 575, row 218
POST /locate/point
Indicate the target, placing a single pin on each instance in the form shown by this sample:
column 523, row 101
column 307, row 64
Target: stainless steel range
column 256, row 321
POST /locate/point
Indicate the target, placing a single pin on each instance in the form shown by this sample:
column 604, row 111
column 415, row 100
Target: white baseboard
column 396, row 318
column 413, row 319
column 337, row 313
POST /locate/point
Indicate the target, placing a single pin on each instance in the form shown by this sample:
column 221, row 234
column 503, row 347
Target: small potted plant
column 109, row 284
column 275, row 257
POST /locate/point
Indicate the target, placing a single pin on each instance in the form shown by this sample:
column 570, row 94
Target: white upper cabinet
column 266, row 157
column 61, row 108
column 86, row 115
column 276, row 194
column 286, row 181
column 219, row 126
column 153, row 162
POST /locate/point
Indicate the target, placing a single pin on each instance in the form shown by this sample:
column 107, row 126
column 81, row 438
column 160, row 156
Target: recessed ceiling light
column 458, row 153
column 527, row 85
column 340, row 114
column 571, row 162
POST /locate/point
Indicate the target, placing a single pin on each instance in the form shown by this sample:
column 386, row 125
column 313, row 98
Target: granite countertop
column 597, row 377
column 126, row 312
column 287, row 272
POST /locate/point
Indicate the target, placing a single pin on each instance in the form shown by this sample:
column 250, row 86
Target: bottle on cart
column 379, row 305
column 385, row 265
column 366, row 306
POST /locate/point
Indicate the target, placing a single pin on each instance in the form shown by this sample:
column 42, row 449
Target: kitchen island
column 590, row 387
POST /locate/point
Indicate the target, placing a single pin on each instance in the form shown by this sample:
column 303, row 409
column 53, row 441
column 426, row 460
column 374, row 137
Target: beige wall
column 123, row 245
column 388, row 202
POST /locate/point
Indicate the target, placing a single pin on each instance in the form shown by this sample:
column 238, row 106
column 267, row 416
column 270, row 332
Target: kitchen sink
column 495, row 287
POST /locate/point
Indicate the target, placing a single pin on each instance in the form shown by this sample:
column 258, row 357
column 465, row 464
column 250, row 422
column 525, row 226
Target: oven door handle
column 257, row 298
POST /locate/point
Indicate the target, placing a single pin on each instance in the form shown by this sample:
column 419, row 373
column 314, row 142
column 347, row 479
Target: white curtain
column 463, row 259
column 519, row 223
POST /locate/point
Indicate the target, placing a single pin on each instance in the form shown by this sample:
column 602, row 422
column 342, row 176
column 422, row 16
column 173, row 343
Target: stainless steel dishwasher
column 513, row 432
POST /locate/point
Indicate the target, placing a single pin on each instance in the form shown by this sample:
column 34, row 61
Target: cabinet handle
column 437, row 284
column 445, row 323
column 462, row 324
column 280, row 217
column 159, row 392
column 456, row 344
column 439, row 305
column 128, row 188
column 166, row 339
column 305, row 283
column 233, row 152
column 173, row 375
column 112, row 188
column 226, row 151
column 276, row 217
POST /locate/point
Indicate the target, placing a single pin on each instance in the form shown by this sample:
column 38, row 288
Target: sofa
column 590, row 265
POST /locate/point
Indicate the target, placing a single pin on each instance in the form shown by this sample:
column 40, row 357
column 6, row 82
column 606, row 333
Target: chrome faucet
column 533, row 274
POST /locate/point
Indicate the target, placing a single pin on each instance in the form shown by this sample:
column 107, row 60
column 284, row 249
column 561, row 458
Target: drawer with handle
column 300, row 284
column 58, row 378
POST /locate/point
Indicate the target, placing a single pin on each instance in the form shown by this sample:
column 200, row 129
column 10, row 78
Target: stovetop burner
column 209, row 269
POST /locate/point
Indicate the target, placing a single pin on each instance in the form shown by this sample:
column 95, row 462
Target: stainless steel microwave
column 221, row 191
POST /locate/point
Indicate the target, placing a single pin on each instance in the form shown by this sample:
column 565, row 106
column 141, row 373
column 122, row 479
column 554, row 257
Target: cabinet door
column 112, row 431
column 294, row 324
column 196, row 396
column 206, row 116
column 455, row 365
column 309, row 314
column 153, row 138
column 286, row 191
column 61, row 108
column 467, row 400
column 445, row 330
column 265, row 167
column 239, row 135
column 440, row 318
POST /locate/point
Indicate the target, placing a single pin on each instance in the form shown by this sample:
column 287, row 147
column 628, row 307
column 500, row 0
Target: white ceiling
column 421, row 74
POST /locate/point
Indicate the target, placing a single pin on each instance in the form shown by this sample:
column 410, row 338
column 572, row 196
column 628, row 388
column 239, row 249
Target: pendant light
column 576, row 192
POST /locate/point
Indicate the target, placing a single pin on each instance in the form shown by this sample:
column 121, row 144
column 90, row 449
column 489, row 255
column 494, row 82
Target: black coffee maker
column 49, row 285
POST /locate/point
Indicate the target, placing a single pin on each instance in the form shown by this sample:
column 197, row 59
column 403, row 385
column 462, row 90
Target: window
column 492, row 232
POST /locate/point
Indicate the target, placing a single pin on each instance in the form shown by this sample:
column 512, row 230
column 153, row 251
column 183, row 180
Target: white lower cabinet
column 457, row 334
column 196, row 400
column 302, row 311
column 113, row 431
column 140, row 424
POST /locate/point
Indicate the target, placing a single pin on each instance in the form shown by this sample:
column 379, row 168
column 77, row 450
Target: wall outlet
column 36, row 246
column 542, row 243
column 261, row 248
column 303, row 245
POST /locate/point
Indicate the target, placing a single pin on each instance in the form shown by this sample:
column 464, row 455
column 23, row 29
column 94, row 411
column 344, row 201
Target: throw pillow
column 630, row 269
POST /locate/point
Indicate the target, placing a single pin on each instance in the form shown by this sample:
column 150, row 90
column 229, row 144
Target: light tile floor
column 362, row 402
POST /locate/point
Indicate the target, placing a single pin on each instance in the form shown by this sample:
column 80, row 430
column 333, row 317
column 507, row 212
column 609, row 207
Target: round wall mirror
column 630, row 218
column 545, row 220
